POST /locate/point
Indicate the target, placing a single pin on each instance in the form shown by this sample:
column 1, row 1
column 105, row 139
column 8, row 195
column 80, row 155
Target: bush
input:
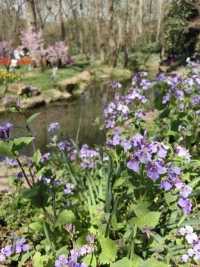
column 177, row 38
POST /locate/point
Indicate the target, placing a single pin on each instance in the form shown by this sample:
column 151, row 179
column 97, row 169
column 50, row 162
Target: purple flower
column 179, row 94
column 183, row 153
column 166, row 185
column 68, row 189
column 138, row 141
column 65, row 145
column 195, row 100
column 166, row 98
column 126, row 144
column 5, row 131
column 155, row 169
column 134, row 165
column 186, row 205
column 21, row 246
column 45, row 157
column 173, row 172
column 53, row 127
column 11, row 162
column 185, row 191
column 116, row 85
column 88, row 157
column 7, row 251
column 144, row 155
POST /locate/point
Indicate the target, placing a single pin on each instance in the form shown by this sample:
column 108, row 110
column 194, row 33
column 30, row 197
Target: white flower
column 190, row 252
column 188, row 229
column 185, row 258
column 191, row 238
column 182, row 231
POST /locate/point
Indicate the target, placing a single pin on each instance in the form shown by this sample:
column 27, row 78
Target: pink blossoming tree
column 58, row 54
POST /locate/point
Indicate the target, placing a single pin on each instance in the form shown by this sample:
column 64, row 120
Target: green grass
column 43, row 80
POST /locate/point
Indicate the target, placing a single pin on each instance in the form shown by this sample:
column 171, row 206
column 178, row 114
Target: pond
column 78, row 118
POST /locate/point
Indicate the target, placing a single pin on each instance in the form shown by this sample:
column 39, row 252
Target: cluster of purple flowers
column 192, row 239
column 18, row 247
column 180, row 89
column 114, row 111
column 68, row 187
column 45, row 157
column 88, row 157
column 119, row 109
column 5, row 131
column 152, row 157
column 11, row 162
column 67, row 147
column 75, row 255
column 140, row 80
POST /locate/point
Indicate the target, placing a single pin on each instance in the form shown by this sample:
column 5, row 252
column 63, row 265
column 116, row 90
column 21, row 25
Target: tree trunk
column 62, row 23
column 31, row 14
column 160, row 17
column 141, row 15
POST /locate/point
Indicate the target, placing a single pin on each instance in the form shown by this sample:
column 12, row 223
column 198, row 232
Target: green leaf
column 108, row 250
column 65, row 217
column 38, row 260
column 141, row 208
column 21, row 142
column 125, row 262
column 6, row 149
column 36, row 226
column 137, row 261
column 24, row 259
column 90, row 260
column 32, row 117
column 38, row 194
column 153, row 263
column 37, row 157
column 149, row 220
column 62, row 251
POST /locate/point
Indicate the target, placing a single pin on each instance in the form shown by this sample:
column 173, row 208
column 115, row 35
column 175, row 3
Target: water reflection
column 78, row 116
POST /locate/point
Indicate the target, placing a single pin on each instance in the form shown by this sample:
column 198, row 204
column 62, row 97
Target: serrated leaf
column 153, row 263
column 108, row 250
column 62, row 251
column 38, row 260
column 149, row 220
column 125, row 262
column 65, row 217
column 141, row 208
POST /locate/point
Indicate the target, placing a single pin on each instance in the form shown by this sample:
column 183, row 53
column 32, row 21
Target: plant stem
column 23, row 171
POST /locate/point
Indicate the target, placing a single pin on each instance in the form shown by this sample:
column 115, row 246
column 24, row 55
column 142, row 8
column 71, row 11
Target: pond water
column 78, row 118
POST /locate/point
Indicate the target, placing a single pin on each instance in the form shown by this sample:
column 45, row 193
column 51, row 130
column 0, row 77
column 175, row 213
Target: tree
column 34, row 42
